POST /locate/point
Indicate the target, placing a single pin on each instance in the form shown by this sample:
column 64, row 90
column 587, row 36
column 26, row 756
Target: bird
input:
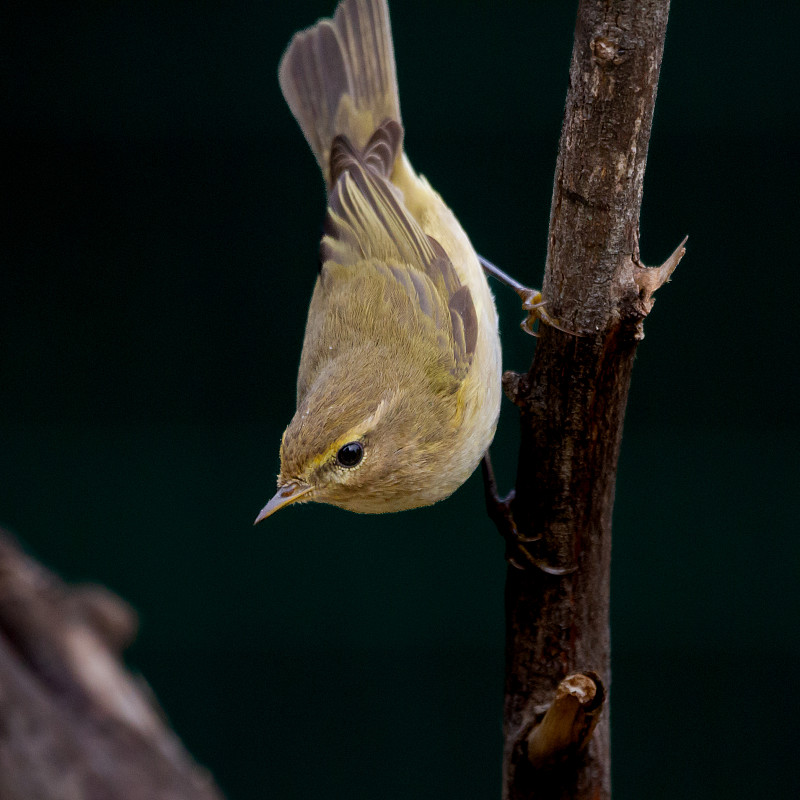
column 399, row 382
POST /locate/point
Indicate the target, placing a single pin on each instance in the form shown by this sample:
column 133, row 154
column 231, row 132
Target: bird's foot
column 517, row 554
column 532, row 301
column 499, row 511
column 534, row 304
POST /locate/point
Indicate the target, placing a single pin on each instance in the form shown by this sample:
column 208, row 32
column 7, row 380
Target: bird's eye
column 350, row 454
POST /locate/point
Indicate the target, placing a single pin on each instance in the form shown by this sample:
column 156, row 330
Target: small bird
column 398, row 391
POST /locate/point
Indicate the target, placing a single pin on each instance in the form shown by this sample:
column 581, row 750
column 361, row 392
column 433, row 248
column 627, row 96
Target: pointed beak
column 288, row 493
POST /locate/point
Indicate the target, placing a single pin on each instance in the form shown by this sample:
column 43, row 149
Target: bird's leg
column 532, row 300
column 499, row 511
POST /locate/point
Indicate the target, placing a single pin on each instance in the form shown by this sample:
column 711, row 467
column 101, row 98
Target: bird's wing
column 367, row 223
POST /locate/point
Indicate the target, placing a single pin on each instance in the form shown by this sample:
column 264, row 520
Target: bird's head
column 366, row 445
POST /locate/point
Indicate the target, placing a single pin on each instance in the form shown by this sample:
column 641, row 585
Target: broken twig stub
column 566, row 726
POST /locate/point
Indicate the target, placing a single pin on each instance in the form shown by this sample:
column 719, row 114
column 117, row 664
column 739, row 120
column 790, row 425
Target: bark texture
column 572, row 401
column 74, row 723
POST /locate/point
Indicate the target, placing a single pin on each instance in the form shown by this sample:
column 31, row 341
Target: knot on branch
column 515, row 387
column 607, row 52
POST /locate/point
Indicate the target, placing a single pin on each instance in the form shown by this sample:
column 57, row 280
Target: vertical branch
column 572, row 401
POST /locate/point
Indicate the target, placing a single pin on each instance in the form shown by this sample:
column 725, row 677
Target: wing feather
column 367, row 222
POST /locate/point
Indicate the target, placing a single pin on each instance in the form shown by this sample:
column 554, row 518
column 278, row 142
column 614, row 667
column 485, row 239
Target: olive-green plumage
column 401, row 357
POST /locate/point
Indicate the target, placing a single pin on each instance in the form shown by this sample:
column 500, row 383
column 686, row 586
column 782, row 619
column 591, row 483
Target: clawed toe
column 532, row 301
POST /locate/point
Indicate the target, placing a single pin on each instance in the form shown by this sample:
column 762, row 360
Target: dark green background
column 161, row 222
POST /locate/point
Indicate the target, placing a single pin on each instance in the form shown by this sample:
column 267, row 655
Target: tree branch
column 572, row 401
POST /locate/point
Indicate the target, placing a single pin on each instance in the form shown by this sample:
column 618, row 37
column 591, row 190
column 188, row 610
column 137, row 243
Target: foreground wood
column 572, row 401
column 74, row 723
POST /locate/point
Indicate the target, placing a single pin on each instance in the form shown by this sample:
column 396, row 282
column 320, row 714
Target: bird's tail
column 339, row 79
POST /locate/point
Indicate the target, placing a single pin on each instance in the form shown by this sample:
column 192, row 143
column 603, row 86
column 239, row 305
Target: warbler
column 398, row 391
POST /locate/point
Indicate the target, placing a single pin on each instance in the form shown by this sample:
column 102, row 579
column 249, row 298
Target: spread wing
column 368, row 227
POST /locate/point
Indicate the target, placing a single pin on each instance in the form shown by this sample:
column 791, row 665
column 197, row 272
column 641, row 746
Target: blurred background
column 161, row 215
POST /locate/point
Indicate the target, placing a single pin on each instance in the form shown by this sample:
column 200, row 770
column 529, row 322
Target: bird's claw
column 499, row 510
column 532, row 301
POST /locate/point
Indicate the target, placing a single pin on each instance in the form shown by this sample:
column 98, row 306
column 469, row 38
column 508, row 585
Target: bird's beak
column 288, row 493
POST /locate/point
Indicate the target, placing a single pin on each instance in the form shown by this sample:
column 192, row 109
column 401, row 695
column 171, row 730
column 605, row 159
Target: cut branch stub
column 567, row 725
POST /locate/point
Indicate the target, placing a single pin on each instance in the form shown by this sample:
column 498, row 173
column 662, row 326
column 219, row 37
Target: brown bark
column 74, row 723
column 572, row 401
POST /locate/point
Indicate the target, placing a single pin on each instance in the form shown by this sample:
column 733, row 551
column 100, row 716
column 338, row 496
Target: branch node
column 515, row 387
column 607, row 52
column 568, row 723
column 649, row 279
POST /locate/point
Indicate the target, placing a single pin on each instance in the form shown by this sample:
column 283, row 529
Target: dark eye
column 350, row 454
